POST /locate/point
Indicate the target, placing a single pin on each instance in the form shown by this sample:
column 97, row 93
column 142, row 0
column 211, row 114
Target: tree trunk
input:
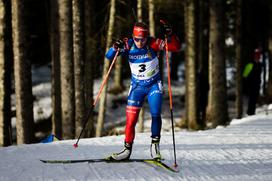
column 239, row 65
column 151, row 17
column 6, row 59
column 217, row 111
column 117, row 86
column 22, row 73
column 184, row 121
column 55, row 72
column 269, row 84
column 140, row 10
column 191, row 59
column 90, row 57
column 151, row 22
column 103, row 98
column 66, row 68
column 79, row 46
column 203, row 58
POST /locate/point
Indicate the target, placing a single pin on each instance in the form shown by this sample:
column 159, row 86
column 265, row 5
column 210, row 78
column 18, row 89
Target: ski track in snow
column 240, row 152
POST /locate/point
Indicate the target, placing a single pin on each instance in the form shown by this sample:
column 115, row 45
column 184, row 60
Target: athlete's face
column 139, row 41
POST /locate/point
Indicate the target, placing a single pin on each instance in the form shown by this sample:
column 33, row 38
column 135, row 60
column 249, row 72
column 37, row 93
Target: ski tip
column 44, row 161
column 75, row 145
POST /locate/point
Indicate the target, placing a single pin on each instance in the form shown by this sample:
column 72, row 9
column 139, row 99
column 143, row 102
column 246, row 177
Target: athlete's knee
column 132, row 117
column 155, row 107
column 132, row 113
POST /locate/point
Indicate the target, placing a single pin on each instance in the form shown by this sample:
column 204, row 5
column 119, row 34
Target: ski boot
column 155, row 149
column 123, row 155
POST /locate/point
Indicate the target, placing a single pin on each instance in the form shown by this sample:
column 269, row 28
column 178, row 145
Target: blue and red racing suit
column 145, row 81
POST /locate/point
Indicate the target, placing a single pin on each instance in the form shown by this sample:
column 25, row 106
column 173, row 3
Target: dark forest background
column 72, row 37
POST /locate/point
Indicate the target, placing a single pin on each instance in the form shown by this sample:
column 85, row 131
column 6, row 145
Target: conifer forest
column 219, row 39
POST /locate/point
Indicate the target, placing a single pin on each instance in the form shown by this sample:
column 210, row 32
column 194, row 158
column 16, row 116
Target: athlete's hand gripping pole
column 97, row 97
column 170, row 94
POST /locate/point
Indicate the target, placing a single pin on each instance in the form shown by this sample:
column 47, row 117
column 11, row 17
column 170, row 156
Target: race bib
column 145, row 70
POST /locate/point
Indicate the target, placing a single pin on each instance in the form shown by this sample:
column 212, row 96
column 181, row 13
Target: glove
column 119, row 44
column 166, row 29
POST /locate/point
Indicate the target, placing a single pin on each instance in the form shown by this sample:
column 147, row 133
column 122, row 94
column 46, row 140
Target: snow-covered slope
column 241, row 151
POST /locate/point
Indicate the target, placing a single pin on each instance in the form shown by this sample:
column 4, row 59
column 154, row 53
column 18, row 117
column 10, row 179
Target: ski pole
column 97, row 97
column 170, row 96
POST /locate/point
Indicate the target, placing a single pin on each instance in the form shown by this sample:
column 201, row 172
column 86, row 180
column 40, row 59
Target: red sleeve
column 158, row 44
column 174, row 44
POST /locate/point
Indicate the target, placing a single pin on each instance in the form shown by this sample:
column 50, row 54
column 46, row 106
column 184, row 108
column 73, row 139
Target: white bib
column 145, row 70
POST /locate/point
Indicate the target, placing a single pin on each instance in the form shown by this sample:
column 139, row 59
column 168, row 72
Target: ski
column 162, row 165
column 94, row 161
column 153, row 162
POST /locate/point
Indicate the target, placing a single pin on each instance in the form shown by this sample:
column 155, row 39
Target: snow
column 240, row 151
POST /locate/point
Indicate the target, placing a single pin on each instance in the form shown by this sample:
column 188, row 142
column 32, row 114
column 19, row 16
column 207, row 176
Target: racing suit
column 145, row 81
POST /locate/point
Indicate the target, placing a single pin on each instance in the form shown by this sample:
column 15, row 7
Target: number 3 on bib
column 142, row 67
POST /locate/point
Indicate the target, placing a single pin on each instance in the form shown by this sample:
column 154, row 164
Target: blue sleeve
column 111, row 53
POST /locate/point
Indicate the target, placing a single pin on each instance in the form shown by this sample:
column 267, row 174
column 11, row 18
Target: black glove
column 119, row 44
column 166, row 28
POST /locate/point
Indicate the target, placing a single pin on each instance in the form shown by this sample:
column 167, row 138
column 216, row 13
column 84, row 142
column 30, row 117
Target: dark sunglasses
column 140, row 39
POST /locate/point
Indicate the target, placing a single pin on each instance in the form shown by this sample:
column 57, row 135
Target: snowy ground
column 242, row 151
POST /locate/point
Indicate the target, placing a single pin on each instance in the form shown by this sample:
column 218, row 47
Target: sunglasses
column 140, row 39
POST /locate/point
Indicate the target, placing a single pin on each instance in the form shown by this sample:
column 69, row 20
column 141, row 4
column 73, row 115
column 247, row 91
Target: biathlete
column 141, row 52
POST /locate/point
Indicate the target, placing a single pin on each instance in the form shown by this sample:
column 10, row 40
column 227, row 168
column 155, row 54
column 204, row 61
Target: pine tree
column 269, row 84
column 55, row 72
column 239, row 96
column 66, row 68
column 203, row 58
column 191, row 66
column 140, row 10
column 151, row 17
column 6, row 58
column 79, row 47
column 22, row 72
column 140, row 19
column 103, row 98
column 117, row 86
column 217, row 112
column 90, row 57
